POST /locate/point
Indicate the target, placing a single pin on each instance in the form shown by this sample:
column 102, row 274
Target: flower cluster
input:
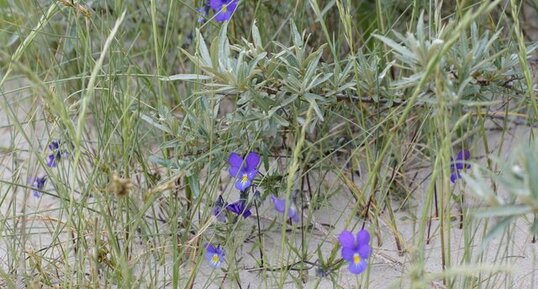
column 56, row 154
column 244, row 172
column 355, row 250
column 456, row 166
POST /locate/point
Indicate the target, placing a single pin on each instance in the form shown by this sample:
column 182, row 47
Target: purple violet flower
column 218, row 209
column 239, row 208
column 245, row 171
column 54, row 145
column 52, row 162
column 203, row 13
column 355, row 250
column 214, row 255
column 459, row 164
column 280, row 206
column 223, row 9
column 38, row 184
column 56, row 154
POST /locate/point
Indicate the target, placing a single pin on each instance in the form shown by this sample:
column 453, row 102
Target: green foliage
column 519, row 180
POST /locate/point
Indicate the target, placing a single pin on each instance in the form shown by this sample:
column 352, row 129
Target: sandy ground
column 387, row 269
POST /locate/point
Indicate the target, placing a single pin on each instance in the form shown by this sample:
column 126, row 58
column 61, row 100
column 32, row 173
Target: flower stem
column 259, row 233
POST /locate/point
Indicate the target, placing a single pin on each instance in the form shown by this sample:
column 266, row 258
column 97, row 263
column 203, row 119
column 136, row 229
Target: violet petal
column 253, row 159
column 280, row 204
column 363, row 237
column 346, row 239
column 357, row 268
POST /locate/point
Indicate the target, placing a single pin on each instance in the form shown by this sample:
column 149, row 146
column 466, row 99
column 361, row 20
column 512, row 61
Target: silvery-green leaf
column 297, row 38
column 497, row 229
column 202, row 49
column 185, row 77
column 256, row 36
column 504, row 211
column 404, row 52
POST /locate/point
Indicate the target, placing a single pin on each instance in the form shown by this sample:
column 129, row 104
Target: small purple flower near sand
column 239, row 208
column 223, row 9
column 215, row 256
column 52, row 162
column 355, row 250
column 203, row 13
column 244, row 171
column 218, row 209
column 456, row 166
column 56, row 154
column 280, row 206
column 54, row 145
column 38, row 184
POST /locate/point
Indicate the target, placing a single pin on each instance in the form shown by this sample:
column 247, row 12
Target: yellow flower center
column 224, row 8
column 244, row 178
column 215, row 259
column 356, row 258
